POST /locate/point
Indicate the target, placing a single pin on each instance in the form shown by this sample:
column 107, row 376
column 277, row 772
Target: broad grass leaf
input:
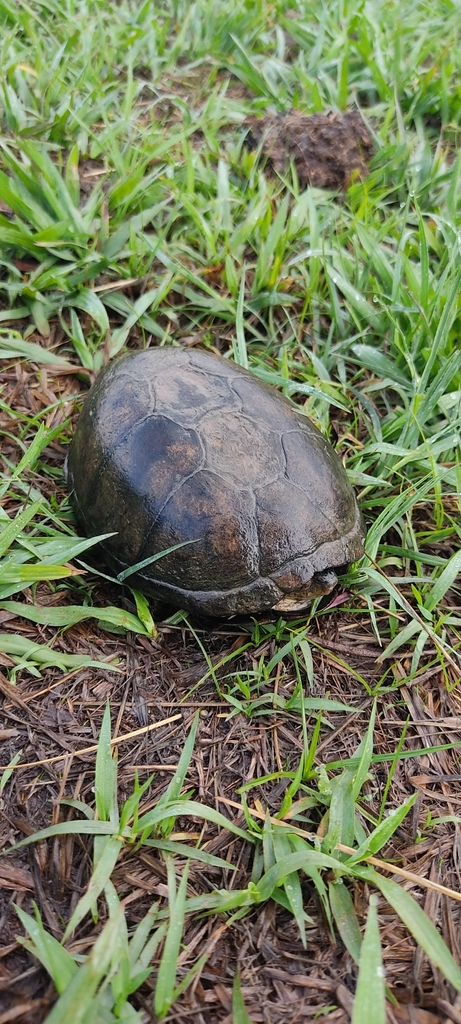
column 142, row 948
column 294, row 862
column 291, row 884
column 189, row 853
column 380, row 364
column 124, row 979
column 15, row 526
column 78, row 997
column 418, row 923
column 345, row 917
column 383, row 832
column 88, row 301
column 98, row 880
column 192, row 808
column 42, row 438
column 444, row 582
column 246, row 69
column 168, row 967
column 132, row 569
column 18, row 196
column 424, row 255
column 61, row 548
column 239, row 346
column 365, row 751
column 19, row 312
column 49, row 187
column 144, row 613
column 30, row 654
column 70, row 614
column 239, row 1010
column 401, row 639
column 75, row 333
column 341, row 813
column 19, row 577
column 12, row 346
column 56, row 960
column 370, row 995
column 435, row 391
column 445, row 322
column 63, row 828
column 357, row 302
column 222, row 902
column 9, row 769
column 268, row 852
column 314, row 874
column 148, row 301
column 105, row 782
column 71, row 177
column 19, row 237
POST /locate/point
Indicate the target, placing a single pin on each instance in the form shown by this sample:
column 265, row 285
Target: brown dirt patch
column 60, row 715
column 327, row 150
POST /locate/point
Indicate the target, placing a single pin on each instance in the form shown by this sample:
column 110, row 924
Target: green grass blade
column 380, row 364
column 12, row 346
column 99, row 878
column 240, row 348
column 9, row 533
column 87, row 301
column 167, row 971
column 106, row 774
column 444, row 582
column 294, row 862
column 370, row 996
column 71, row 614
column 291, row 884
column 181, row 807
column 239, row 1010
column 173, row 790
column 384, row 831
column 55, row 959
column 418, row 923
column 345, row 917
column 365, row 750
column 446, row 320
column 29, row 654
column 341, row 813
column 79, row 995
column 189, row 853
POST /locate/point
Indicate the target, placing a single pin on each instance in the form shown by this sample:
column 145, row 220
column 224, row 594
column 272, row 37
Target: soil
column 53, row 719
column 327, row 150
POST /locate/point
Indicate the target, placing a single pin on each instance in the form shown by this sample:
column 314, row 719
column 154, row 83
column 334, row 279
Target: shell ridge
column 312, row 502
column 124, row 437
column 171, row 495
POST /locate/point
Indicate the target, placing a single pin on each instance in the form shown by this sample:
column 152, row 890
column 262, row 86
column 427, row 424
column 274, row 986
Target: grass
column 133, row 213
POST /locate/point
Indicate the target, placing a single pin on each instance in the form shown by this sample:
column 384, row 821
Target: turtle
column 183, row 454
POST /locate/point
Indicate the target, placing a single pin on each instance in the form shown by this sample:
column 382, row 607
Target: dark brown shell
column 180, row 445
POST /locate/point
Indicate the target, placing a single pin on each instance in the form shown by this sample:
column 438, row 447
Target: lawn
column 251, row 819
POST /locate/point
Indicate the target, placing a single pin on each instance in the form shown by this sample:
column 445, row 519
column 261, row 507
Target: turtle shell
column 182, row 447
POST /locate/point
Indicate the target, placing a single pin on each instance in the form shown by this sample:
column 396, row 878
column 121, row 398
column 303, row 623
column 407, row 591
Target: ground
column 280, row 186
